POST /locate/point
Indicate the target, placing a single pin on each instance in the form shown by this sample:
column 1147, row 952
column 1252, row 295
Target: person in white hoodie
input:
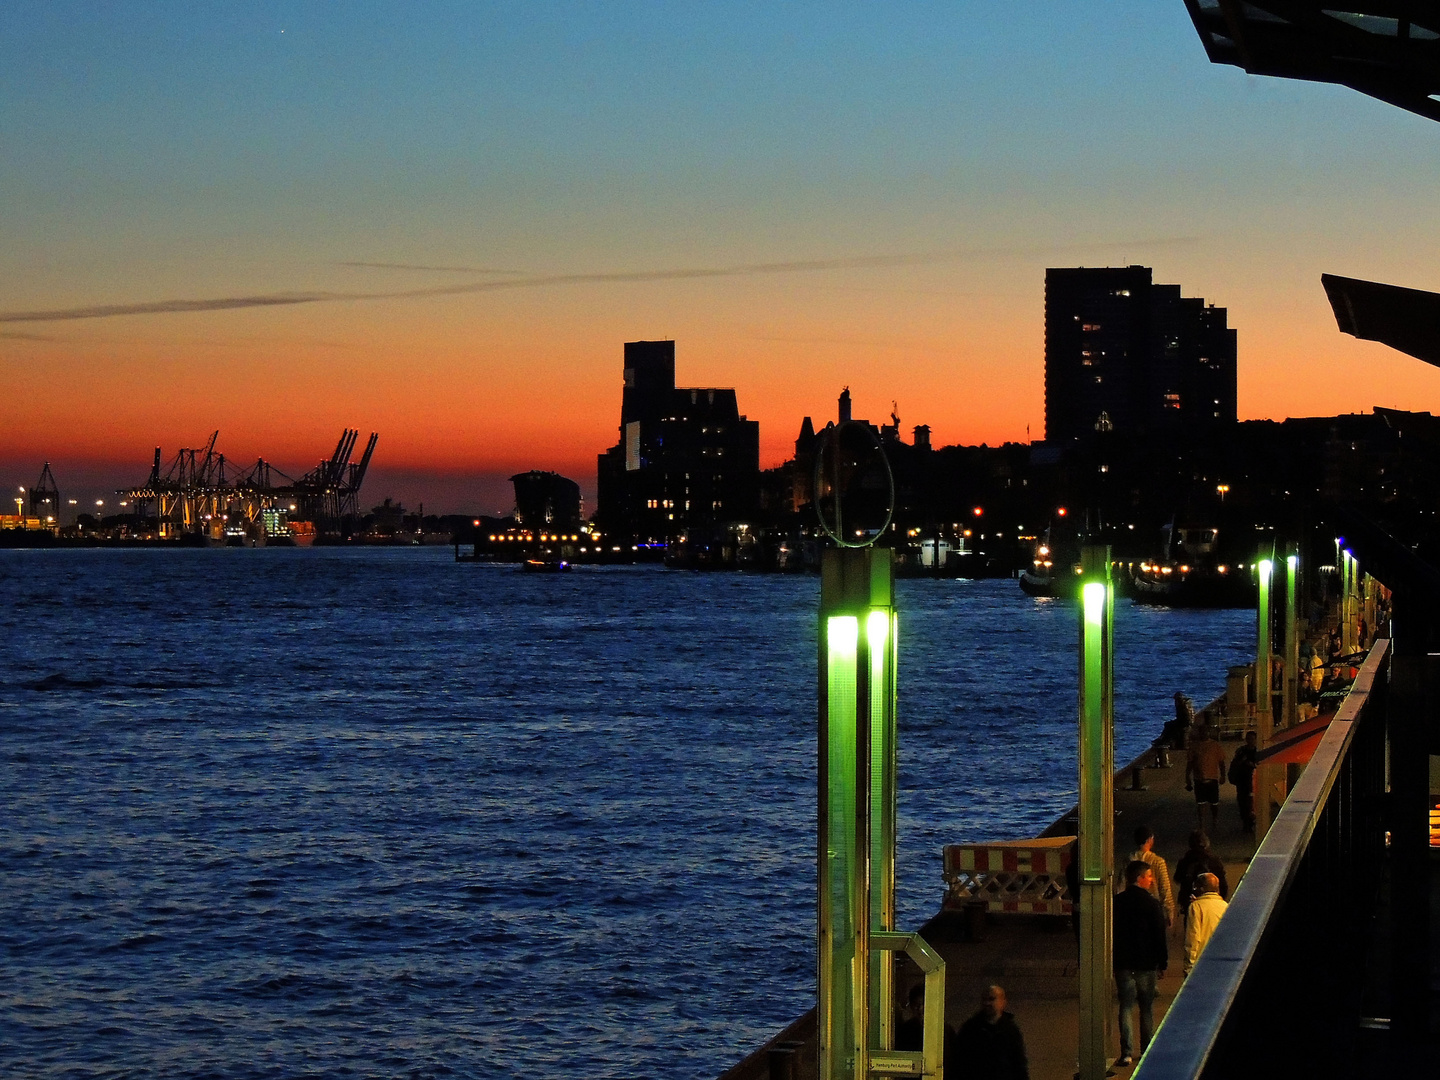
column 1202, row 918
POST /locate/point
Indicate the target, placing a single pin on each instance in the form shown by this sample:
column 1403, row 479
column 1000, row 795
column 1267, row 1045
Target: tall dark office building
column 1126, row 355
column 686, row 461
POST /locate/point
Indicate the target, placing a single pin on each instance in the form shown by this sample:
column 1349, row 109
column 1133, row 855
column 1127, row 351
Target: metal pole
column 856, row 826
column 1265, row 775
column 1343, row 615
column 1096, row 843
column 1265, row 572
column 1289, row 714
column 881, row 624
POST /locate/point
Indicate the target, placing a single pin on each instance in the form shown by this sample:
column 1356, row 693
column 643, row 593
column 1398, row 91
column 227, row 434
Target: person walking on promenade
column 989, row 1045
column 1141, row 955
column 1177, row 731
column 1204, row 769
column 1242, row 775
column 1160, row 887
column 1203, row 917
column 910, row 1031
column 1196, row 861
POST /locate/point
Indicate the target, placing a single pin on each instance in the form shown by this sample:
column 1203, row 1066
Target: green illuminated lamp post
column 1290, row 709
column 1265, row 574
column 1095, row 847
column 1348, row 636
column 1264, row 720
column 856, row 934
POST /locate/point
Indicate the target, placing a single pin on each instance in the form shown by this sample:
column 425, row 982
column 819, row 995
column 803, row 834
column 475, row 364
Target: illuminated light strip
column 1093, row 597
column 842, row 635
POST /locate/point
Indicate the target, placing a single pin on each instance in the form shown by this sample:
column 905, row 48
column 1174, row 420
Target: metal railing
column 1277, row 990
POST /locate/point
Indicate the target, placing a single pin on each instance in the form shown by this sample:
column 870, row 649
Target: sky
column 441, row 222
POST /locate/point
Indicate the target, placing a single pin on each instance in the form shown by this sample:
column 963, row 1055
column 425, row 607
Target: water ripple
column 373, row 813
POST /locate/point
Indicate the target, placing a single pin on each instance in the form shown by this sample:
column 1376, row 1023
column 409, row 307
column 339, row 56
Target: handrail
column 1187, row 1036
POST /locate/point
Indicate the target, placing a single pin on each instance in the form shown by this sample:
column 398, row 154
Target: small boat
column 1196, row 586
column 544, row 566
column 1053, row 570
column 1190, row 573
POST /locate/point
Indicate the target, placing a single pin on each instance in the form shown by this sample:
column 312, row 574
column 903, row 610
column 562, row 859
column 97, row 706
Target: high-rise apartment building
column 1127, row 355
column 686, row 460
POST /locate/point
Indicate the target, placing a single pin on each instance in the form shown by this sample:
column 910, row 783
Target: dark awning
column 1404, row 319
column 1389, row 49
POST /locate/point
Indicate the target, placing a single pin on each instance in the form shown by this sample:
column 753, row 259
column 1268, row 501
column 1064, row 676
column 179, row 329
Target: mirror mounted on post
column 854, row 486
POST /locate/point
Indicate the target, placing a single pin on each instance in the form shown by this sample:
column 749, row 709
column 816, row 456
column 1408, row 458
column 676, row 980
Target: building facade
column 1124, row 354
column 687, row 461
column 546, row 501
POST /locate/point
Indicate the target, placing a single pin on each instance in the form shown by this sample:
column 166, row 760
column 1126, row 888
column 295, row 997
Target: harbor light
column 1095, row 843
column 856, row 820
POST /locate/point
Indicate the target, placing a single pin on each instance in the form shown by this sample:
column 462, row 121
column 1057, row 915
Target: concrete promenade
column 1034, row 957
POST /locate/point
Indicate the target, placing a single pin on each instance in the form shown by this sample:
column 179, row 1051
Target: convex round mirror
column 854, row 488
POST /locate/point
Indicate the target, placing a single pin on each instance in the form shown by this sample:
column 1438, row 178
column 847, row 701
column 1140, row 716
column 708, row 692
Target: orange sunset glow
column 460, row 248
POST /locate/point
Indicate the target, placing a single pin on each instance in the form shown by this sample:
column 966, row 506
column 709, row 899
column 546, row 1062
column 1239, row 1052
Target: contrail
column 155, row 307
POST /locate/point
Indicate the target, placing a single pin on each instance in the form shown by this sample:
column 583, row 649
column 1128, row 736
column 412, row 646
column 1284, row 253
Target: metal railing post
column 855, row 911
column 1265, row 774
column 1096, row 843
column 1289, row 712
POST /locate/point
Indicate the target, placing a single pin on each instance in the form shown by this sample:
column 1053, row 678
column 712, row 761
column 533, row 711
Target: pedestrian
column 1072, row 887
column 910, row 1031
column 1196, row 861
column 1161, row 887
column 910, row 1026
column 1203, row 917
column 1317, row 671
column 1177, row 730
column 989, row 1046
column 1242, row 775
column 1204, row 768
column 1141, row 955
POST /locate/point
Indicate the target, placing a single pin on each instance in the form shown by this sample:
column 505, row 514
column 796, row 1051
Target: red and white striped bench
column 1017, row 876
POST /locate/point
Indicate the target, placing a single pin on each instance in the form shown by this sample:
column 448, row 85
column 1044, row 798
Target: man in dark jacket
column 1242, row 775
column 1196, row 861
column 989, row 1045
column 1141, row 954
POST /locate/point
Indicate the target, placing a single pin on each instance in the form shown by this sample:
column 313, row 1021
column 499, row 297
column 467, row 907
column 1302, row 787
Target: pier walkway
column 1034, row 956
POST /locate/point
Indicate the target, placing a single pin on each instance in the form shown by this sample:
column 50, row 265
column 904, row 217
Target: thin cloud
column 15, row 335
column 434, row 269
column 157, row 307
column 538, row 281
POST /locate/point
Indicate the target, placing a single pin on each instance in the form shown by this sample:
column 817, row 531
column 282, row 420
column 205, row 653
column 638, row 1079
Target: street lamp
column 1221, row 489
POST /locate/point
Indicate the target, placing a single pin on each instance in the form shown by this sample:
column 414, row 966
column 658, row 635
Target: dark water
column 373, row 813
